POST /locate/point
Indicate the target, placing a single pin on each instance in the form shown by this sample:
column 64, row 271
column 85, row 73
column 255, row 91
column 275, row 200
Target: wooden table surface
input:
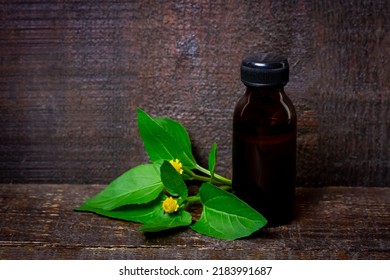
column 38, row 222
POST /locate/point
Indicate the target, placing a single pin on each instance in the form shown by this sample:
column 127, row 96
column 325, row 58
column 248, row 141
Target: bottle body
column 264, row 152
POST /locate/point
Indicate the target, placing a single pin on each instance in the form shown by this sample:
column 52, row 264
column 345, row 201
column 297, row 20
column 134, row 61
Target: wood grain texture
column 72, row 74
column 38, row 222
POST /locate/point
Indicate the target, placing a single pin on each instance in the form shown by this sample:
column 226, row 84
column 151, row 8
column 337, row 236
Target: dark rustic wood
column 38, row 222
column 72, row 74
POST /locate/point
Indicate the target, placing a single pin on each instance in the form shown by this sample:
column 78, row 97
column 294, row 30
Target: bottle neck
column 265, row 92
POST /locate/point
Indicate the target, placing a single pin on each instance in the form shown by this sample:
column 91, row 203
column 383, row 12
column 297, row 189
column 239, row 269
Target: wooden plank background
column 72, row 74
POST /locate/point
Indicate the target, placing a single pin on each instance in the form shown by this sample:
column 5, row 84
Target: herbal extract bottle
column 264, row 139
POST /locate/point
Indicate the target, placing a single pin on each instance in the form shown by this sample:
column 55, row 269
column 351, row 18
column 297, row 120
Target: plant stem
column 226, row 188
column 192, row 199
column 211, row 180
column 201, row 178
column 218, row 178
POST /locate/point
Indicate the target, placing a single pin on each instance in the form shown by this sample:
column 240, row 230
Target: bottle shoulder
column 268, row 113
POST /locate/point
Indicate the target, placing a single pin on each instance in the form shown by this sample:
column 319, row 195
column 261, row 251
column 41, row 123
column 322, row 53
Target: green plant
column 156, row 194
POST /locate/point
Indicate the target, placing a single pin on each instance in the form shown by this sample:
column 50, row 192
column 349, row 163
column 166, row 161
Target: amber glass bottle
column 264, row 139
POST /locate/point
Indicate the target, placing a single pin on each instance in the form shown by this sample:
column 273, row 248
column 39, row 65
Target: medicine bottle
column 264, row 139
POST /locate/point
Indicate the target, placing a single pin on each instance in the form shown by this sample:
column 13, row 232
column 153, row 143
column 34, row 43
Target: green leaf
column 166, row 221
column 172, row 180
column 225, row 216
column 135, row 212
column 151, row 214
column 165, row 139
column 212, row 159
column 138, row 185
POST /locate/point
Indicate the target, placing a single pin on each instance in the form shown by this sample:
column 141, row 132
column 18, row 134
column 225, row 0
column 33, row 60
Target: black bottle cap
column 264, row 70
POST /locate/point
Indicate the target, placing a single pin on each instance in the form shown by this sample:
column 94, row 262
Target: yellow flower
column 170, row 205
column 177, row 165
